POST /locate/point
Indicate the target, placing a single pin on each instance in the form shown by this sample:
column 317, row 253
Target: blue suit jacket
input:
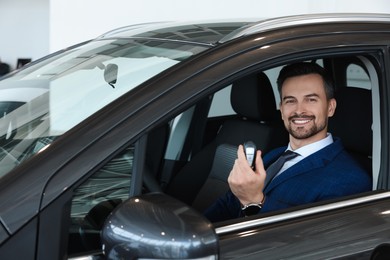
column 329, row 173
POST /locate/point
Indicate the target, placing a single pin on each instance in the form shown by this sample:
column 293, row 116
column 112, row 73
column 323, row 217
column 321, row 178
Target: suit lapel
column 317, row 160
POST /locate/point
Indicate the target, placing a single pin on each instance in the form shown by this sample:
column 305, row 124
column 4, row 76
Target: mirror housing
column 111, row 74
column 157, row 226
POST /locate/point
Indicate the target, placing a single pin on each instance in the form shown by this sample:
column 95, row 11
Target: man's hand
column 247, row 185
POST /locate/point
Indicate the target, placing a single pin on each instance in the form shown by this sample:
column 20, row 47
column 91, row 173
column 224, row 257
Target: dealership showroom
column 208, row 129
column 33, row 29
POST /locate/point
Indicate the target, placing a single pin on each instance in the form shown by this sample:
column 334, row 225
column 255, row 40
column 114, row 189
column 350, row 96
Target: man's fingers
column 240, row 152
column 259, row 162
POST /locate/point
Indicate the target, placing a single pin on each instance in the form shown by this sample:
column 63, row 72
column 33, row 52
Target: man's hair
column 305, row 68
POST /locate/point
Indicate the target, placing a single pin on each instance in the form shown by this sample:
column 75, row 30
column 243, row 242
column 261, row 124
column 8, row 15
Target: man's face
column 305, row 109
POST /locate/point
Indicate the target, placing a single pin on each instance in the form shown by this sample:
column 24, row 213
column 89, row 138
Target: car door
column 349, row 228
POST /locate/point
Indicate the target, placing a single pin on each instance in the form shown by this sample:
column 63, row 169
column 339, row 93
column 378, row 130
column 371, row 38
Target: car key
column 250, row 153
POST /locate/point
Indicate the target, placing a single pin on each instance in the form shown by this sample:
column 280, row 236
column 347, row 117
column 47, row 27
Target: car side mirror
column 157, row 226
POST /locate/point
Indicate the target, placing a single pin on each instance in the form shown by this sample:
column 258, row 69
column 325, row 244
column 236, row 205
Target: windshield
column 48, row 98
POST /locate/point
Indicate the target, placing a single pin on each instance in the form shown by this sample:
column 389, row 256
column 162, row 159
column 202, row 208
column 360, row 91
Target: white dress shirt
column 305, row 151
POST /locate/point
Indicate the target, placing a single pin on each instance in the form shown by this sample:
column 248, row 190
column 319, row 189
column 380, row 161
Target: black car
column 114, row 147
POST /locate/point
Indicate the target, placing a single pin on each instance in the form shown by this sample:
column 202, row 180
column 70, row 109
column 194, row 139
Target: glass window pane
column 96, row 198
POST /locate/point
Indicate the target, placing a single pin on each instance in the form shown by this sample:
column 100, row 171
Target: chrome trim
column 92, row 256
column 298, row 213
column 295, row 20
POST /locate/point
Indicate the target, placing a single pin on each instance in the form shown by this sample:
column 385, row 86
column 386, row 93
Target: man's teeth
column 301, row 121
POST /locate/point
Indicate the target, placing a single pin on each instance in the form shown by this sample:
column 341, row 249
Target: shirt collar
column 313, row 147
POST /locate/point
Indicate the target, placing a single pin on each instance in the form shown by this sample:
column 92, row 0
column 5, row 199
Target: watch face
column 252, row 210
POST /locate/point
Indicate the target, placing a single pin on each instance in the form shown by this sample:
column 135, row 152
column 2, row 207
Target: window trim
column 138, row 165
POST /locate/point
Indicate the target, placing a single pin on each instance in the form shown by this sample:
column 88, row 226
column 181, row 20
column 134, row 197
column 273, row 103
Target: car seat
column 352, row 123
column 258, row 120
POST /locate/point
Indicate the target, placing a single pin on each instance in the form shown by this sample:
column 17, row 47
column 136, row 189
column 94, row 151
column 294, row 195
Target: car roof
column 212, row 32
column 288, row 21
column 200, row 32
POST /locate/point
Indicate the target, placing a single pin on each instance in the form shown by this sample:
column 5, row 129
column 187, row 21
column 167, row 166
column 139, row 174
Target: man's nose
column 300, row 108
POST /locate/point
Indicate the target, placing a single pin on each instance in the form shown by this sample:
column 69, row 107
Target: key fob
column 250, row 153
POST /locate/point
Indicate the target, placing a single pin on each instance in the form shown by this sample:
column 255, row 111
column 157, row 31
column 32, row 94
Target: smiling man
column 314, row 166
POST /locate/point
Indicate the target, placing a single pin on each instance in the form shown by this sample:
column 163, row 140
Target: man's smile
column 301, row 120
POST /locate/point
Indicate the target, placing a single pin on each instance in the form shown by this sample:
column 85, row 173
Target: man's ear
column 331, row 107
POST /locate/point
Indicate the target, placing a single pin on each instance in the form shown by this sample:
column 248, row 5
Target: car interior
column 190, row 156
column 256, row 119
column 204, row 178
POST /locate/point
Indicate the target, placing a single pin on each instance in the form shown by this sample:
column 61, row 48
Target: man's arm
column 225, row 208
column 246, row 186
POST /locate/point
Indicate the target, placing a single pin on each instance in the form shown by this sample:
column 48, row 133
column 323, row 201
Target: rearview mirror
column 157, row 226
column 111, row 74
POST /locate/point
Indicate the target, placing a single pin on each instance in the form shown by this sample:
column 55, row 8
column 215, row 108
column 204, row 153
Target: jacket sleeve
column 225, row 208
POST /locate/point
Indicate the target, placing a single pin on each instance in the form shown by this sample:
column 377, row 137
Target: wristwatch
column 251, row 209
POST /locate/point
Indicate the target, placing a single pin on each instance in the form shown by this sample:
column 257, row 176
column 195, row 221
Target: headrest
column 352, row 121
column 252, row 97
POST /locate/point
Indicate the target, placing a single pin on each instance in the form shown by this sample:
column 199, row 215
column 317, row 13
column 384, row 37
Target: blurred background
column 31, row 29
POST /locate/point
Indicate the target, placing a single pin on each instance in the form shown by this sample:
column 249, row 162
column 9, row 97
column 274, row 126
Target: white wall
column 34, row 28
column 73, row 21
column 24, row 30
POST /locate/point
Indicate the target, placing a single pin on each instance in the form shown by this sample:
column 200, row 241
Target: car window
column 95, row 198
column 46, row 99
column 179, row 128
column 219, row 106
column 221, row 117
column 357, row 76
